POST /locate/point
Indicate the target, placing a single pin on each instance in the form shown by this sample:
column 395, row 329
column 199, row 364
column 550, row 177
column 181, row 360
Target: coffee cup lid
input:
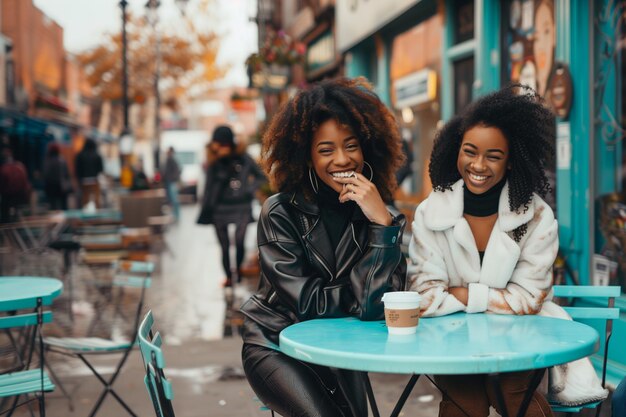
column 402, row 296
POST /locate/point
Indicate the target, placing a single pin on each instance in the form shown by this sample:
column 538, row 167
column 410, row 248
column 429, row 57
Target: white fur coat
column 514, row 278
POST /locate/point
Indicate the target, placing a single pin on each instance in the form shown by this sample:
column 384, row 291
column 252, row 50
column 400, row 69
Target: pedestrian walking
column 171, row 176
column 232, row 178
column 15, row 188
column 57, row 180
column 88, row 165
column 329, row 242
column 485, row 241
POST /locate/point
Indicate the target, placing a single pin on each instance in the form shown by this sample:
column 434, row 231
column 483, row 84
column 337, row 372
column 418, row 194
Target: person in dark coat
column 88, row 166
column 232, row 179
column 171, row 176
column 57, row 181
column 329, row 241
column 15, row 187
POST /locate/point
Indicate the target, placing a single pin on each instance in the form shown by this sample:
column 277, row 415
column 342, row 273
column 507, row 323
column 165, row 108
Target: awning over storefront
column 13, row 122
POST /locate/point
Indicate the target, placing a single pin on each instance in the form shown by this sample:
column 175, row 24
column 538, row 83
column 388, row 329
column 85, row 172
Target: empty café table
column 455, row 344
column 18, row 292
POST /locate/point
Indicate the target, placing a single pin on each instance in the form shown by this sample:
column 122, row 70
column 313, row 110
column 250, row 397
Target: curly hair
column 528, row 126
column 286, row 151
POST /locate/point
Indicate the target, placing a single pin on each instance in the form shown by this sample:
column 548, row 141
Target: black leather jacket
column 303, row 278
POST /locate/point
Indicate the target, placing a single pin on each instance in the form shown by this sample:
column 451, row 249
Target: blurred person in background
column 140, row 179
column 170, row 177
column 15, row 188
column 232, row 179
column 56, row 176
column 88, row 165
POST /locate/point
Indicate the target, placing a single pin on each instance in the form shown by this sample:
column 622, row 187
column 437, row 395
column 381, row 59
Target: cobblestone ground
column 198, row 321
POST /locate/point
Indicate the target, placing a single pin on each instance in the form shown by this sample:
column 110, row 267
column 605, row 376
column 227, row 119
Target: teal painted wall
column 359, row 64
column 487, row 46
column 590, row 158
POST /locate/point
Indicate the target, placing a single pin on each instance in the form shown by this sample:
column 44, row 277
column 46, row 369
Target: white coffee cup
column 402, row 309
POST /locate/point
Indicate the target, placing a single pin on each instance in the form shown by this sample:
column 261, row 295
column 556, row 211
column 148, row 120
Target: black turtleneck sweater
column 334, row 214
column 482, row 205
column 485, row 204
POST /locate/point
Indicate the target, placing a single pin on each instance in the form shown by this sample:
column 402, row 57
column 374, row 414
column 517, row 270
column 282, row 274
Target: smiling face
column 483, row 158
column 335, row 151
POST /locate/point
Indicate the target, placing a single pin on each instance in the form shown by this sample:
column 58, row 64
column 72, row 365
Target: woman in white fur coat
column 484, row 241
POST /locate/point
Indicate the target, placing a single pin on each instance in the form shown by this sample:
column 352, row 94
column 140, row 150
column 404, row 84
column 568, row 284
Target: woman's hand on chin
column 359, row 189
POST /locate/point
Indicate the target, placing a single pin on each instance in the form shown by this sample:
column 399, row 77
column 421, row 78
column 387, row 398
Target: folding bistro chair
column 159, row 388
column 129, row 274
column 608, row 314
column 25, row 381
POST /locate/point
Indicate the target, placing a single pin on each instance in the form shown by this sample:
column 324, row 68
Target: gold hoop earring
column 313, row 180
column 371, row 170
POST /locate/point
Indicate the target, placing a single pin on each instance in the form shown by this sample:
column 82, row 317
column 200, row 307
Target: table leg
column 370, row 393
column 405, row 395
column 344, row 383
column 535, row 379
column 532, row 387
column 494, row 379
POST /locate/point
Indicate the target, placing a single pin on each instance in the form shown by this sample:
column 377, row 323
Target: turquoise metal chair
column 159, row 388
column 26, row 381
column 608, row 314
column 128, row 274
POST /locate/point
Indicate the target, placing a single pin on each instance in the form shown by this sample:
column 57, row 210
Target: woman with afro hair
column 328, row 240
column 484, row 241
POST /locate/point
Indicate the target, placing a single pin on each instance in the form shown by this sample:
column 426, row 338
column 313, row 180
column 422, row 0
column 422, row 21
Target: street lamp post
column 152, row 7
column 123, row 4
column 126, row 140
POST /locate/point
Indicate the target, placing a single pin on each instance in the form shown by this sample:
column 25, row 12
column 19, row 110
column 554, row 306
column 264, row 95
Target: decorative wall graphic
column 528, row 43
column 610, row 35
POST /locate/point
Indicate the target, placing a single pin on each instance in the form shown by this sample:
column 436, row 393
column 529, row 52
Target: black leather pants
column 296, row 389
column 221, row 229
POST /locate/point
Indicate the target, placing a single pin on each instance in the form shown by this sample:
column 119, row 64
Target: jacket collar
column 443, row 209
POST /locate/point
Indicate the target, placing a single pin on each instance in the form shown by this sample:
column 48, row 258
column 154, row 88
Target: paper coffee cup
column 402, row 309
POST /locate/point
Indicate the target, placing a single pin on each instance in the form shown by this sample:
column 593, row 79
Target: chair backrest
column 607, row 313
column 159, row 388
column 134, row 274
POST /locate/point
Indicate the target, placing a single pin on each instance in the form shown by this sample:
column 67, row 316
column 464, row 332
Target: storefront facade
column 572, row 53
column 382, row 48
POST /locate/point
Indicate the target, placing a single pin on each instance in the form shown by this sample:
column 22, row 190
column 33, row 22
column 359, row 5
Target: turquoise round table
column 455, row 344
column 18, row 293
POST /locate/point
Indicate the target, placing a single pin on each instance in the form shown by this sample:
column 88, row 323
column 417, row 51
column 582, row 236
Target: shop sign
column 416, row 88
column 272, row 78
column 355, row 20
column 320, row 52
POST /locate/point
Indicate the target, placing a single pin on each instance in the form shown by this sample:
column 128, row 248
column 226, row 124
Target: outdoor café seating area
column 76, row 288
column 66, row 289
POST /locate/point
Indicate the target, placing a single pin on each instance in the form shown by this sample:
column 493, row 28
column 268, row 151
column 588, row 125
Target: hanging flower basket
column 278, row 49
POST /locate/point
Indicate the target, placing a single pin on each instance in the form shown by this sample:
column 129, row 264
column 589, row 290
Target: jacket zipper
column 313, row 251
column 320, row 260
column 354, row 237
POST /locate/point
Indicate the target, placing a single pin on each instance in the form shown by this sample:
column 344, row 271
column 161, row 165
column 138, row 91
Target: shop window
column 610, row 143
column 529, row 39
column 463, row 21
column 463, row 81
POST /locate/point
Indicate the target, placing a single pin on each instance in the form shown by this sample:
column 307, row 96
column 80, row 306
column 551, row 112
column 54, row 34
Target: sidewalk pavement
column 208, row 380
